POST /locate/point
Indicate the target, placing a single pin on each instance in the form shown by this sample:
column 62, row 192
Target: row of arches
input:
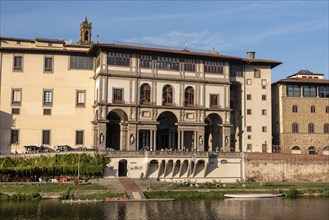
column 310, row 150
column 167, row 95
column 166, row 136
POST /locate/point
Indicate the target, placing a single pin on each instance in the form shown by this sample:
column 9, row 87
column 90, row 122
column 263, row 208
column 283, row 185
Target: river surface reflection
column 278, row 208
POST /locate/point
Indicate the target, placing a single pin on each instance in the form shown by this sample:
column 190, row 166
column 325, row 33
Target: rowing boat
column 253, row 195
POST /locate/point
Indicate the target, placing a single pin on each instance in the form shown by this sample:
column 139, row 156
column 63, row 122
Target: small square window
column 15, row 111
column 249, row 137
column 47, row 111
column 257, row 73
column 248, row 111
column 47, row 97
column 264, row 112
column 264, row 129
column 263, row 97
column 248, row 128
column 249, row 147
column 48, row 68
column 248, row 82
column 118, row 96
column 81, row 99
column 18, row 63
column 213, row 101
column 16, row 96
column 248, row 96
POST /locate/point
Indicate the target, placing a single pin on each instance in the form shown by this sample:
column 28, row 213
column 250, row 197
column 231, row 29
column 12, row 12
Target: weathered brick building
column 300, row 112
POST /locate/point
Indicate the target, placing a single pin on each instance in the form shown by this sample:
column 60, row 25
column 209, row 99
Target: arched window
column 310, row 128
column 295, row 128
column 295, row 150
column 145, row 94
column 294, row 108
column 86, row 36
column 167, row 95
column 327, row 109
column 326, row 128
column 325, row 150
column 189, row 96
column 311, row 150
column 313, row 109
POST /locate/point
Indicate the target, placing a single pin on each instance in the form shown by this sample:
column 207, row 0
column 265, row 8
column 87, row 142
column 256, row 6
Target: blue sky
column 293, row 32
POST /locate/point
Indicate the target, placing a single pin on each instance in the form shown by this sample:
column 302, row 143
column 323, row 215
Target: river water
column 315, row 208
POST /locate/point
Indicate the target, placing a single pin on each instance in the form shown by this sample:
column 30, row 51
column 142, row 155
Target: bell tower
column 85, row 32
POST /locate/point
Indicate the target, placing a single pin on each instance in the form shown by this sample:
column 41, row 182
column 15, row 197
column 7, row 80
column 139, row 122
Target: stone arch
column 162, row 168
column 167, row 135
column 169, row 168
column 153, row 168
column 176, row 169
column 200, row 166
column 325, row 150
column 213, row 133
column 311, row 150
column 184, row 168
column 296, row 150
column 116, row 132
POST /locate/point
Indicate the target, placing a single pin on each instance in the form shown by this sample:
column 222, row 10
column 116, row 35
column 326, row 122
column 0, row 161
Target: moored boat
column 266, row 195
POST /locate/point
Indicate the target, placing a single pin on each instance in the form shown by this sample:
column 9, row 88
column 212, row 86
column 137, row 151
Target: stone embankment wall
column 261, row 167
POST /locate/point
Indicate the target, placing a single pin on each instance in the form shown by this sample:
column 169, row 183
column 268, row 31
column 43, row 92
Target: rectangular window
column 309, row 91
column 79, row 137
column 120, row 59
column 48, row 68
column 189, row 65
column 249, row 147
column 264, row 82
column 46, row 137
column 293, row 90
column 18, row 63
column 81, row 99
column 264, row 112
column 249, row 137
column 47, row 97
column 248, row 96
column 16, row 96
column 15, row 111
column 118, row 96
column 248, row 82
column 213, row 67
column 248, row 111
column 14, row 135
column 263, row 97
column 324, row 91
column 47, row 111
column 145, row 61
column 249, row 128
column 82, row 62
column 168, row 63
column 213, row 101
column 264, row 129
column 256, row 73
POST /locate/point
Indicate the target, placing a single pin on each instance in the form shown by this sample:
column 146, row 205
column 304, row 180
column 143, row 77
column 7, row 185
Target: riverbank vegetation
column 32, row 168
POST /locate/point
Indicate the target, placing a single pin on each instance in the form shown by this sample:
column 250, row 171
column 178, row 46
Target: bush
column 292, row 193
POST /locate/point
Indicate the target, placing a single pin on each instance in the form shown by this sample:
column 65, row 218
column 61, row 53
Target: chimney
column 251, row 54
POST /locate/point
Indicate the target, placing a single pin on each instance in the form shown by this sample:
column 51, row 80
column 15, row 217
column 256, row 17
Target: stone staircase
column 133, row 191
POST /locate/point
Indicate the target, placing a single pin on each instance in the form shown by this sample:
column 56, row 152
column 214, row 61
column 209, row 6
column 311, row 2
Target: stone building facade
column 300, row 106
column 131, row 98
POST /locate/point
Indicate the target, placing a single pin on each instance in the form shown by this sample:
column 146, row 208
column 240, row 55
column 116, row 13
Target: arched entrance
column 213, row 133
column 167, row 135
column 117, row 124
column 122, row 168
